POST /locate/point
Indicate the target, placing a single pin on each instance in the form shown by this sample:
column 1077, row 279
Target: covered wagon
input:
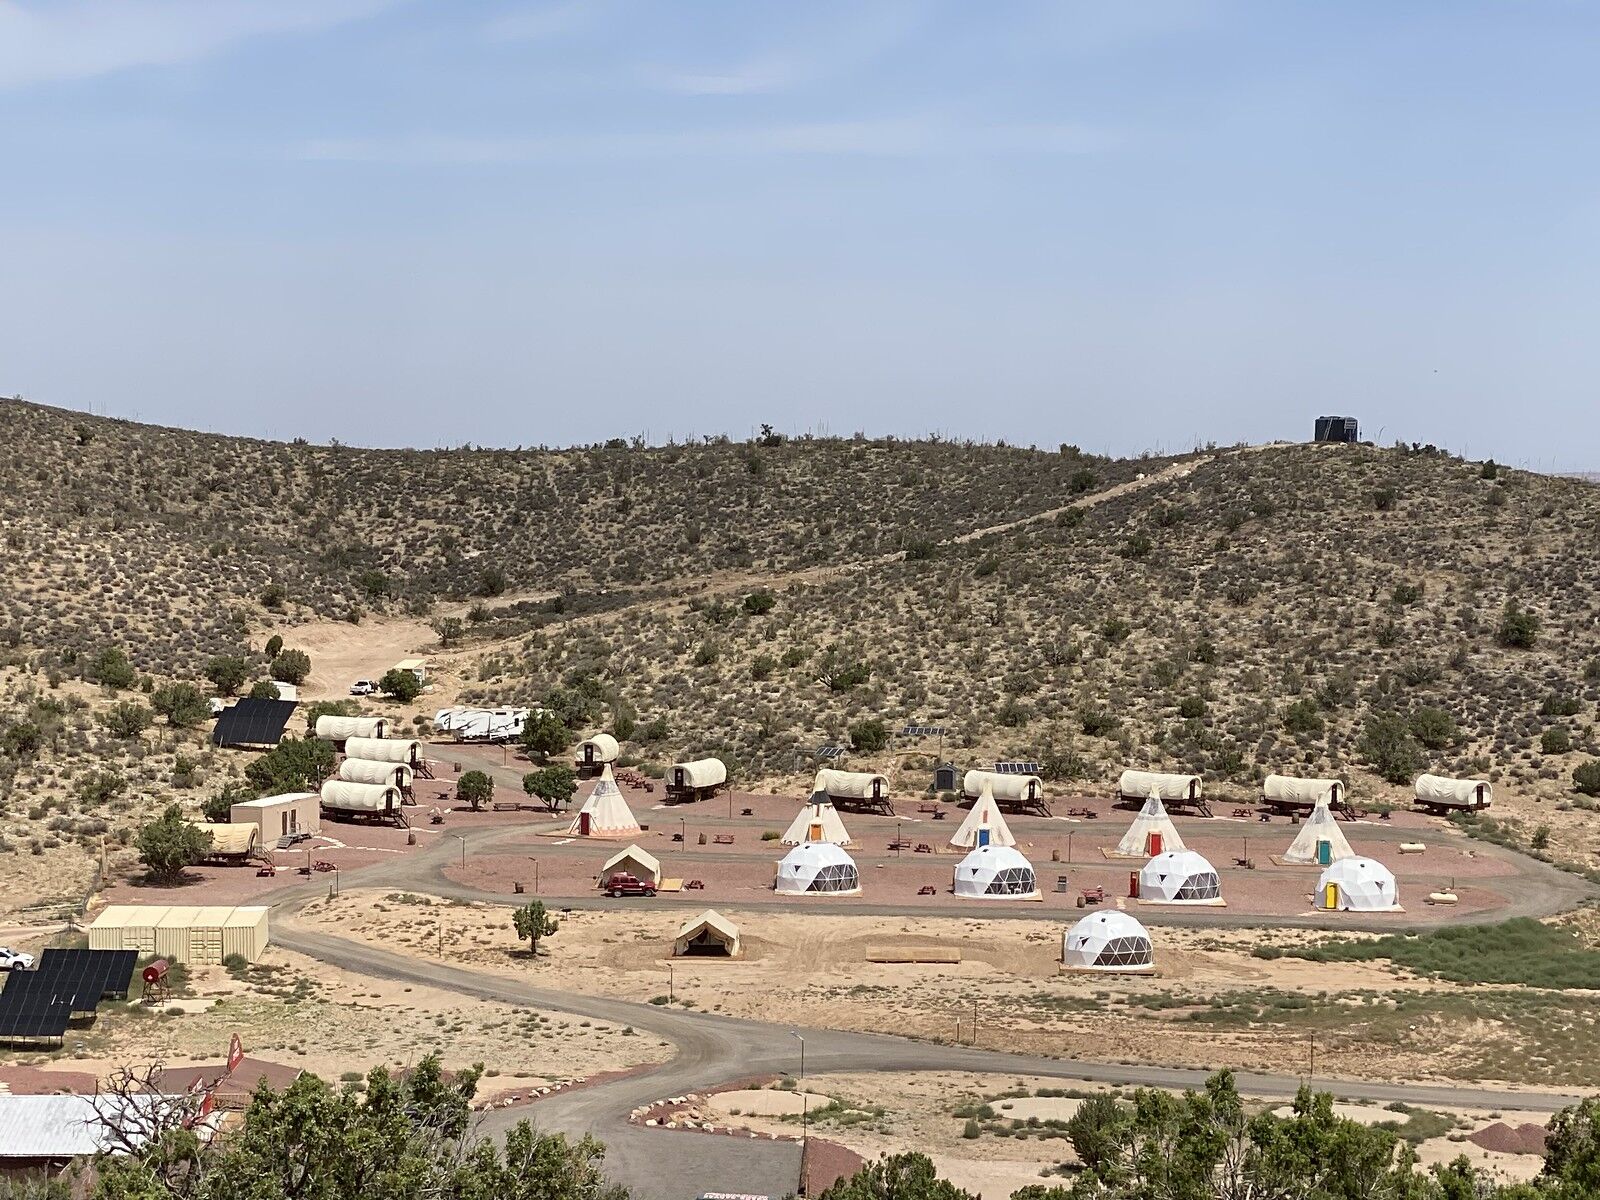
column 365, row 770
column 594, row 753
column 699, row 779
column 361, row 801
column 1014, row 793
column 1289, row 794
column 390, row 750
column 231, row 844
column 1182, row 790
column 1439, row 794
column 863, row 791
column 331, row 728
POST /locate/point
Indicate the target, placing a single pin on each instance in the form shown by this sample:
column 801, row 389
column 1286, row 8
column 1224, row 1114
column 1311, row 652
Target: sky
column 1130, row 225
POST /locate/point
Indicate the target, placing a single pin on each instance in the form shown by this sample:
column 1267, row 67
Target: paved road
column 661, row 1165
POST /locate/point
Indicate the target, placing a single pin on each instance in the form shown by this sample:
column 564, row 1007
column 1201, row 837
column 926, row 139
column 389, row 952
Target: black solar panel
column 40, row 1003
column 252, row 723
column 47, row 1019
column 1016, row 768
column 830, row 751
column 923, row 731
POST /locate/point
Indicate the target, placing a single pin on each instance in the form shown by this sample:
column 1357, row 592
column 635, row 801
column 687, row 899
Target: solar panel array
column 40, row 1003
column 250, row 722
column 923, row 731
column 830, row 752
column 1016, row 768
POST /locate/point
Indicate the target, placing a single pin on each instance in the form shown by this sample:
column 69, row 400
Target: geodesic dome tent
column 1357, row 885
column 817, row 868
column 1179, row 877
column 1108, row 941
column 996, row 873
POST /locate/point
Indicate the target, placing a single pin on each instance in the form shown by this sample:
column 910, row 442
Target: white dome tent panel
column 1320, row 840
column 1138, row 785
column 1358, row 885
column 1179, row 877
column 332, row 728
column 984, row 824
column 818, row 821
column 605, row 814
column 996, row 873
column 1108, row 941
column 1436, row 791
column 1288, row 791
column 1151, row 833
column 817, row 868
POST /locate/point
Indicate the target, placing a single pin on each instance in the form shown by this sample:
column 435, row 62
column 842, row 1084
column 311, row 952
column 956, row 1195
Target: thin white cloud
column 46, row 41
column 912, row 137
column 541, row 21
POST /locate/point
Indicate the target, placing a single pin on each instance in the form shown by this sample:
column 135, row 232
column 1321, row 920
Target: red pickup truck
column 624, row 884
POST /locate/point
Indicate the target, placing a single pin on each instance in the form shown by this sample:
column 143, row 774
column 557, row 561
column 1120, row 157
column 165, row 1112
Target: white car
column 15, row 960
column 363, row 687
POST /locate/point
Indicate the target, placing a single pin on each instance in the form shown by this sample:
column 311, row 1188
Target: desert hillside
column 1353, row 610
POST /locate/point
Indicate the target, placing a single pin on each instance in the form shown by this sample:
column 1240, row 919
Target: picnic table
column 927, row 889
column 695, row 885
column 723, row 839
column 900, row 844
column 1248, row 864
column 927, row 808
column 1241, row 812
column 747, row 812
column 924, row 848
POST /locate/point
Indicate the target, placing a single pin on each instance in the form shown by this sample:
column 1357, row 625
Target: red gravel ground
column 824, row 1163
column 1503, row 1139
column 30, row 1081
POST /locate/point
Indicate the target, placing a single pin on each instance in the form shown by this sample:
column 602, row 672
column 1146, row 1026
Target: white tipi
column 605, row 814
column 1319, row 827
column 818, row 821
column 1151, row 833
column 984, row 826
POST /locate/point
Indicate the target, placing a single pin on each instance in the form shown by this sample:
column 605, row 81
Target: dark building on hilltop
column 1338, row 429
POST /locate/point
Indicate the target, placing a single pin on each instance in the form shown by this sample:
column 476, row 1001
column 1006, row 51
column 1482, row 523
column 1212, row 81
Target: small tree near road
column 544, row 734
column 475, row 788
column 554, row 785
column 400, row 685
column 181, row 704
column 533, row 922
column 171, row 843
column 228, row 673
column 291, row 666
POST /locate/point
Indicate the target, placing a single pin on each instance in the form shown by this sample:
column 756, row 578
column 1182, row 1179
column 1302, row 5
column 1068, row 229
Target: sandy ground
column 799, row 968
column 296, row 1010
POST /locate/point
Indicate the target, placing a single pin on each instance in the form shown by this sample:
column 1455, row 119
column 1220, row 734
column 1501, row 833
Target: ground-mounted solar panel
column 47, row 1019
column 1016, row 768
column 89, row 975
column 829, row 752
column 923, row 731
column 250, row 722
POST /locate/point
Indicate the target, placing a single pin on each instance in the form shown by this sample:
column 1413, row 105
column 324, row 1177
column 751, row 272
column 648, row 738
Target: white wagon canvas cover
column 394, row 750
column 1453, row 793
column 1010, row 789
column 1288, row 791
column 1137, row 785
column 363, row 770
column 331, row 728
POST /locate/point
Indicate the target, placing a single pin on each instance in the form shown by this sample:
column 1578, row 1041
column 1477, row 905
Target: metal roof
column 65, row 1126
column 274, row 801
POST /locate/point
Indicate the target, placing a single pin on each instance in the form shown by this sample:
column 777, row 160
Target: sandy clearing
column 767, row 1102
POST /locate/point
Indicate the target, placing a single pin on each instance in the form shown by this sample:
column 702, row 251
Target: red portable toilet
column 1133, row 885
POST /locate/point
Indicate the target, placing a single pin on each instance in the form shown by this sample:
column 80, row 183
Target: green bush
column 1519, row 627
column 474, row 789
column 1433, row 727
column 112, row 668
column 1191, row 707
column 291, row 667
column 869, row 736
column 1560, row 706
column 1302, row 718
column 228, row 672
column 759, row 603
column 1389, row 747
column 127, row 719
column 1555, row 740
column 1587, row 777
column 274, row 644
column 400, row 685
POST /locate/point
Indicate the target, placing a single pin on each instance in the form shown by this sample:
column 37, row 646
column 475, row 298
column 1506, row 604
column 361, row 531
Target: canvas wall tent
column 1151, row 833
column 1171, row 788
column 1357, row 885
column 594, row 753
column 817, row 822
column 371, row 800
column 1179, row 877
column 1014, row 792
column 1108, row 941
column 996, row 873
column 636, row 862
column 391, row 750
column 865, row 791
column 984, row 825
column 710, row 933
column 186, row 933
column 364, row 770
column 698, row 779
column 605, row 814
column 1320, row 840
column 1289, row 792
column 1438, row 792
column 279, row 816
column 818, row 868
column 336, row 729
column 231, row 844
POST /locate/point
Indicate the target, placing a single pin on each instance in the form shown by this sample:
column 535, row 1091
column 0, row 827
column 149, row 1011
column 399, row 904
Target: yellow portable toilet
column 1330, row 896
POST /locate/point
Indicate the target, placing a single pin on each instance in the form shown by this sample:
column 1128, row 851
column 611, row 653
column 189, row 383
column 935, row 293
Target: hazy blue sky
column 1122, row 224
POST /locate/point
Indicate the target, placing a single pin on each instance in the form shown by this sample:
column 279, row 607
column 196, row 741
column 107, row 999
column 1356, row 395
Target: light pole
column 898, row 839
column 670, row 982
column 1311, row 1078
column 805, row 1100
column 683, row 832
column 463, row 842
column 1070, row 832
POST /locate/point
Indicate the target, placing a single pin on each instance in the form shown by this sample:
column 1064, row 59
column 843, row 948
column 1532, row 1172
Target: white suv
column 363, row 687
column 15, row 960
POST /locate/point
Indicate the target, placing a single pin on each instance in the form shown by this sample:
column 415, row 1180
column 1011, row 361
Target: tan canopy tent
column 641, row 864
column 1287, row 791
column 696, row 779
column 1138, row 785
column 709, row 933
column 984, row 824
column 229, row 843
column 1436, row 791
column 1151, row 833
column 818, row 821
column 332, row 728
column 364, row 770
column 394, row 750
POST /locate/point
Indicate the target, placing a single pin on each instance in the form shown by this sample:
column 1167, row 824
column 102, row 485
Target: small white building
column 817, row 868
column 1108, row 941
column 1358, row 885
column 278, row 816
column 996, row 873
column 1179, row 877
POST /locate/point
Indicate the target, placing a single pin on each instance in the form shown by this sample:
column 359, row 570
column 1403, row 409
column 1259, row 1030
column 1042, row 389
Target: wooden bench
column 927, row 889
column 505, row 806
column 927, row 808
column 747, row 812
column 723, row 839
